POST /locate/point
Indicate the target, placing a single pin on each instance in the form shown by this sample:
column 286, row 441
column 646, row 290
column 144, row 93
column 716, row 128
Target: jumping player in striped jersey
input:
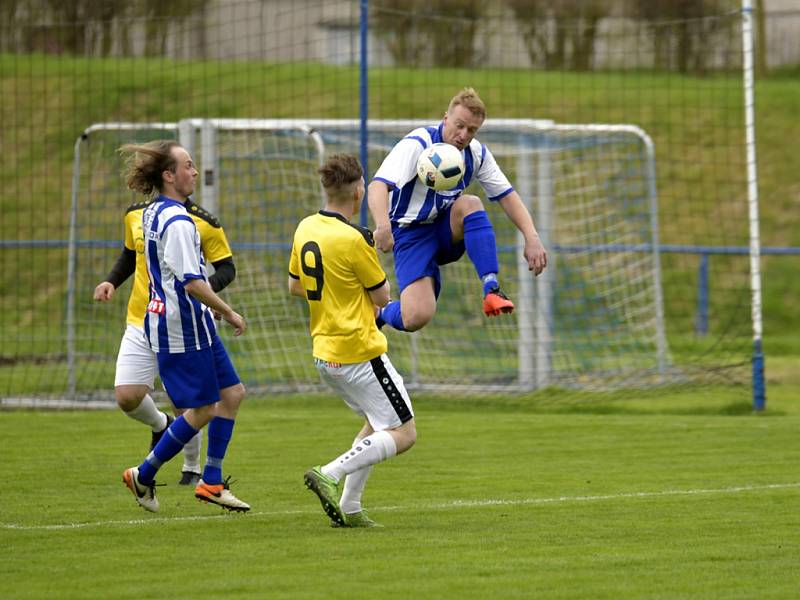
column 136, row 363
column 179, row 325
column 334, row 267
column 428, row 229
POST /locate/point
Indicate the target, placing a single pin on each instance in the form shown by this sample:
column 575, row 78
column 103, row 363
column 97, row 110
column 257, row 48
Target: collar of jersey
column 335, row 215
column 163, row 198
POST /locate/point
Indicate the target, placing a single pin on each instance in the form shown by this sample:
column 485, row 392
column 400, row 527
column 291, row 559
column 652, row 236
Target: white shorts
column 373, row 389
column 136, row 361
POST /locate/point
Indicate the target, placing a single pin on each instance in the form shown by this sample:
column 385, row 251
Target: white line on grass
column 621, row 496
column 435, row 506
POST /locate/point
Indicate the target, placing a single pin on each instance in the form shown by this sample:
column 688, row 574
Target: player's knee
column 468, row 204
column 416, row 317
column 231, row 397
column 128, row 398
column 126, row 404
column 405, row 436
column 410, row 440
column 415, row 322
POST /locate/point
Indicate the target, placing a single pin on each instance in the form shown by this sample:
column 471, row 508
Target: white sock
column 191, row 455
column 354, row 485
column 148, row 413
column 371, row 450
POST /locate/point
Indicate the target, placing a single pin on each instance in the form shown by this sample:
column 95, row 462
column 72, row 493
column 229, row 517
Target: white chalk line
column 455, row 504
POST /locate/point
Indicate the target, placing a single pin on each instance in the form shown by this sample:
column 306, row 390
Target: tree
column 8, row 19
column 398, row 29
column 106, row 13
column 534, row 20
column 587, row 15
column 93, row 26
column 162, row 18
column 70, row 19
column 761, row 39
column 454, row 34
column 428, row 31
column 682, row 31
column 560, row 33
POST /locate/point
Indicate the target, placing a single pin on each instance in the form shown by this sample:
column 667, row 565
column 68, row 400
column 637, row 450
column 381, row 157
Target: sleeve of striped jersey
column 294, row 263
column 214, row 242
column 366, row 266
column 400, row 165
column 492, row 178
column 179, row 249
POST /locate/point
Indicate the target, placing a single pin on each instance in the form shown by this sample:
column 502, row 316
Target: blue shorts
column 420, row 249
column 194, row 379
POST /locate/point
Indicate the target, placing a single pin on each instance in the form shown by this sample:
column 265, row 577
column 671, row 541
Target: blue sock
column 481, row 247
column 489, row 283
column 391, row 314
column 220, row 431
column 174, row 439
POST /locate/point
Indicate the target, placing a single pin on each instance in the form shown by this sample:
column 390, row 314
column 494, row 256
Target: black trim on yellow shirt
column 196, row 209
column 375, row 287
column 366, row 233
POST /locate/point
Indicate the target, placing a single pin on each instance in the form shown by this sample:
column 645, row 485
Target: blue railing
column 705, row 252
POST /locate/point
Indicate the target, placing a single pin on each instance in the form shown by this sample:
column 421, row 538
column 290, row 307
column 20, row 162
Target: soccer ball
column 440, row 166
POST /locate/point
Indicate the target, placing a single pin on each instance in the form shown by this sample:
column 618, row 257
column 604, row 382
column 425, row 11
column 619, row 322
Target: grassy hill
column 697, row 125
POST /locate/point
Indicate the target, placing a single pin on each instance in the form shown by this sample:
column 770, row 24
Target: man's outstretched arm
column 534, row 251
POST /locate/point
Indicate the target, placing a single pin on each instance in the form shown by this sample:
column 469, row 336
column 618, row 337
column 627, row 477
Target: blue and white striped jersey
column 411, row 200
column 175, row 322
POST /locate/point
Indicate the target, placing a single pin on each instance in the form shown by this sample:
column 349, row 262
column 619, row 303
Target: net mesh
column 592, row 322
column 674, row 69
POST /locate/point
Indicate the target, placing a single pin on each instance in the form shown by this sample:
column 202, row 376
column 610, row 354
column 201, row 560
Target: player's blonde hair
column 146, row 163
column 339, row 172
column 469, row 99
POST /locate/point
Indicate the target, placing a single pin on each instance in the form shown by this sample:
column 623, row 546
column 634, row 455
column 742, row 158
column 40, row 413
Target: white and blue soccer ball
column 440, row 166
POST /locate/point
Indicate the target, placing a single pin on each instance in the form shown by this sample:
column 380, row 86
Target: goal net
column 593, row 321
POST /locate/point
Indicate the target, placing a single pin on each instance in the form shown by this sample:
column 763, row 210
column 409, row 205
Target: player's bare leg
column 418, row 304
column 463, row 206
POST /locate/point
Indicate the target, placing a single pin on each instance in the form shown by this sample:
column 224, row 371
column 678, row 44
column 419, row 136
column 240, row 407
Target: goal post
column 95, row 169
column 593, row 321
column 536, row 187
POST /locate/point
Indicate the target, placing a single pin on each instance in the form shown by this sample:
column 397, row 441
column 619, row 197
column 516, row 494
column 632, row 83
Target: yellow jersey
column 336, row 263
column 213, row 243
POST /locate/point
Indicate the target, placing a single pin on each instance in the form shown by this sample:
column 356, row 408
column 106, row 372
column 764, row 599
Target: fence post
column 701, row 316
column 363, row 100
column 759, row 387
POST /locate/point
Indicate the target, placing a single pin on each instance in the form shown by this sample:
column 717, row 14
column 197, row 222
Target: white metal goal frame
column 534, row 181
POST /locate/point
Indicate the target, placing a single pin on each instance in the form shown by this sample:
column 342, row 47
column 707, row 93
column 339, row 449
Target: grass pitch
column 498, row 499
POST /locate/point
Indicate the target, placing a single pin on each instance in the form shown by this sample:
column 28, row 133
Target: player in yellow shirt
column 334, row 266
column 136, row 362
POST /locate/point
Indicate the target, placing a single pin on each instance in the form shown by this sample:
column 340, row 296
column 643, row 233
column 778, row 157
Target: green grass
column 500, row 498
